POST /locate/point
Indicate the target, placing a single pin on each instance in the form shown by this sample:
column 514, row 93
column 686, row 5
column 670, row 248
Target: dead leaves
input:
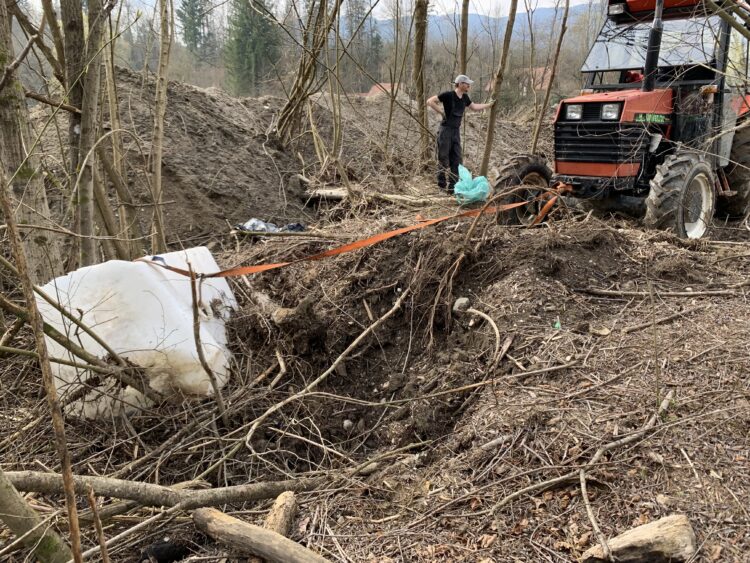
column 520, row 527
column 486, row 540
column 714, row 552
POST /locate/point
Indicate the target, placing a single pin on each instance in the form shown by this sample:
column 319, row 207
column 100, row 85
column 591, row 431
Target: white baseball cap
column 463, row 78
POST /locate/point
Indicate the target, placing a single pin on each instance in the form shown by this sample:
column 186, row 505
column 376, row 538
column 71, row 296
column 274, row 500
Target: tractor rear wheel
column 682, row 196
column 522, row 178
column 738, row 176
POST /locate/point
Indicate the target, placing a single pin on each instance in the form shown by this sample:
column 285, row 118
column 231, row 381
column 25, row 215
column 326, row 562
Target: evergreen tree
column 210, row 48
column 376, row 54
column 142, row 51
column 364, row 46
column 198, row 31
column 190, row 15
column 252, row 46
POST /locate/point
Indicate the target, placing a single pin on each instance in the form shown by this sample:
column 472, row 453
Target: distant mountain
column 446, row 25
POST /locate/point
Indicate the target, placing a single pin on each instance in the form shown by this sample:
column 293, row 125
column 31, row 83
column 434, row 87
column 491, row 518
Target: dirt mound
column 222, row 166
column 596, row 326
column 478, row 423
column 599, row 330
column 219, row 164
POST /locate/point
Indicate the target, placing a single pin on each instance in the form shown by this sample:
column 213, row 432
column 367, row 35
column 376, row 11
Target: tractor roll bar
column 654, row 46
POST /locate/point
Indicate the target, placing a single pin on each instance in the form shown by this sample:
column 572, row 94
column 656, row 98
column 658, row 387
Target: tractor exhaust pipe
column 652, row 51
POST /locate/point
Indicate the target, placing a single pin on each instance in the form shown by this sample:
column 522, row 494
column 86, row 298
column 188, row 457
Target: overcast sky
column 496, row 8
column 492, row 7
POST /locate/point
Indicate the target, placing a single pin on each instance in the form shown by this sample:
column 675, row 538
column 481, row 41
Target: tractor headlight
column 573, row 111
column 611, row 112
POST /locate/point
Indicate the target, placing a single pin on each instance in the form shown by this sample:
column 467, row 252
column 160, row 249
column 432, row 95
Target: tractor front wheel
column 522, row 178
column 682, row 196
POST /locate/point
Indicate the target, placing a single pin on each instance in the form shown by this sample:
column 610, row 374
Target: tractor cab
column 659, row 121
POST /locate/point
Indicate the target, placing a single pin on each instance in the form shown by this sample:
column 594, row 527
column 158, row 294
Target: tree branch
column 15, row 64
column 147, row 494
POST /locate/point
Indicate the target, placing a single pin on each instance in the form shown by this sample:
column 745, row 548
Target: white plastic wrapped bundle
column 144, row 313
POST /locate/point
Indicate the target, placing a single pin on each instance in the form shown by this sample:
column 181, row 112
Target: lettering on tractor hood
column 651, row 118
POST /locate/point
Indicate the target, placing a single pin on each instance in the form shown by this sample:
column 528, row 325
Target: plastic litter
column 470, row 190
column 259, row 226
column 145, row 314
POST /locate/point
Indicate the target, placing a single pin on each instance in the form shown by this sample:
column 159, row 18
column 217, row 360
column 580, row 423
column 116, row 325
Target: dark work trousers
column 448, row 156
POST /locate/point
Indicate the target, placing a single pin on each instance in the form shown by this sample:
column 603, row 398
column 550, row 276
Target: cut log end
column 669, row 539
column 249, row 539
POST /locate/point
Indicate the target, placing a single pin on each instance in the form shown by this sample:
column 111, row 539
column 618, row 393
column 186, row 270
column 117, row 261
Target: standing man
column 451, row 105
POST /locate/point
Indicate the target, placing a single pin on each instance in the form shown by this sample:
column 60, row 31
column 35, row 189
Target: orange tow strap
column 356, row 245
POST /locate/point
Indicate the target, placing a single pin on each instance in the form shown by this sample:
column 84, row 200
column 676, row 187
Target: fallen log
column 667, row 539
column 340, row 194
column 280, row 517
column 282, row 514
column 335, row 194
column 29, row 527
column 147, row 494
column 252, row 540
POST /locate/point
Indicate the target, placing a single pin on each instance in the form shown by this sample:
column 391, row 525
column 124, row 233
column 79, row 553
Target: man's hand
column 481, row 107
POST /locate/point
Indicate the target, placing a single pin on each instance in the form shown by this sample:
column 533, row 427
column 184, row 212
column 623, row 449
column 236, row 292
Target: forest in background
column 251, row 47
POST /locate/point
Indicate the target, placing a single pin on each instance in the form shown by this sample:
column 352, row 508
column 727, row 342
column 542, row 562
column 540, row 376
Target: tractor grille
column 600, row 142
column 592, row 111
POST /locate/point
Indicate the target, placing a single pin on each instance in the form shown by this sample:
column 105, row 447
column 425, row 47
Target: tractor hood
column 636, row 103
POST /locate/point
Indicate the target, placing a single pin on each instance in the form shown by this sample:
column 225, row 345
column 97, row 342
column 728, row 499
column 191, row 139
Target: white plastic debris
column 145, row 314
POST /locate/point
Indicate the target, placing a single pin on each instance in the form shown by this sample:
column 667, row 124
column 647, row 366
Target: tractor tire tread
column 663, row 201
column 508, row 174
column 738, row 175
column 511, row 173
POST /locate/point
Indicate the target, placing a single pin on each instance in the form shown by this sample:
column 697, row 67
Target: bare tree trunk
column 72, row 18
column 129, row 224
column 496, row 88
column 37, row 326
column 553, row 74
column 401, row 37
column 28, row 27
column 463, row 42
column 315, row 34
column 24, row 522
column 21, row 168
column 126, row 208
column 420, row 35
column 532, row 52
column 333, row 156
column 89, row 121
column 109, row 220
column 51, row 16
column 158, row 237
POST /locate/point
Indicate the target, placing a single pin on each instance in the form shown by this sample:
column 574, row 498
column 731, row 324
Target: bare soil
column 600, row 321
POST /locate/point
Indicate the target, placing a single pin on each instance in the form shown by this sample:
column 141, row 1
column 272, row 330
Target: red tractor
column 660, row 126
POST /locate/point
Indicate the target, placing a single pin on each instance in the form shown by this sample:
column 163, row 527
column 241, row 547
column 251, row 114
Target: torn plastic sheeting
column 470, row 190
column 260, row 226
column 144, row 314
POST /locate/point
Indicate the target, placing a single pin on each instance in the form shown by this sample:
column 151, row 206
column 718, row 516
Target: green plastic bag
column 470, row 190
